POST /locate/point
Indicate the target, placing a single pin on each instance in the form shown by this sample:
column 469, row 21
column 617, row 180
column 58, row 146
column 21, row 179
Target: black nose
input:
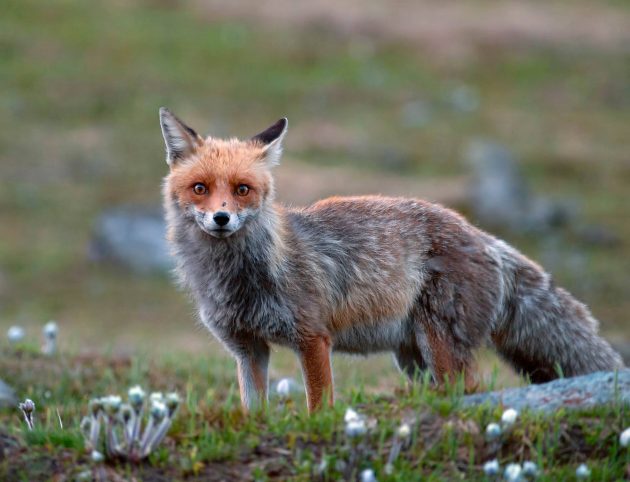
column 221, row 218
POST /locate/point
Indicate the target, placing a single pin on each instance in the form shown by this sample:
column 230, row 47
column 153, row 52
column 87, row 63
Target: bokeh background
column 516, row 113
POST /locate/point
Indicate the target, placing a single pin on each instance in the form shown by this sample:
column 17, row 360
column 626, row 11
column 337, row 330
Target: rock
column 132, row 237
column 7, row 395
column 598, row 388
column 500, row 196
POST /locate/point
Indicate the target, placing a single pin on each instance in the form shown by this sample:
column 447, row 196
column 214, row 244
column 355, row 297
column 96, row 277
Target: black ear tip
column 165, row 111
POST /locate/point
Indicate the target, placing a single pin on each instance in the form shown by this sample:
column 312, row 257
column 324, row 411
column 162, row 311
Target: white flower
column 15, row 334
column 97, row 456
column 112, row 404
column 530, row 469
column 509, row 416
column 583, row 472
column 351, row 416
column 512, row 472
column 493, row 431
column 156, row 397
column 367, row 475
column 50, row 330
column 283, row 388
column 27, row 406
column 404, row 430
column 624, row 438
column 355, row 428
column 172, row 402
column 136, row 395
column 491, row 467
column 158, row 410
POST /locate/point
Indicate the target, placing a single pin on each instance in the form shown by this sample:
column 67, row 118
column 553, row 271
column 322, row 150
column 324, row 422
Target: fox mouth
column 218, row 232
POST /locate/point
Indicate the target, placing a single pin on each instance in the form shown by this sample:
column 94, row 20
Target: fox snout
column 221, row 224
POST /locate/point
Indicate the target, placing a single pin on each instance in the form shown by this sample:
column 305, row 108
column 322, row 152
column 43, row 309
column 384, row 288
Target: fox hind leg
column 410, row 361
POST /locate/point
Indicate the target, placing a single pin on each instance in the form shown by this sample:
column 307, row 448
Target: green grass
column 212, row 439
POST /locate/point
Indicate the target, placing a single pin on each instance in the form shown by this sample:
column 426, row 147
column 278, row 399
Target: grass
column 212, row 439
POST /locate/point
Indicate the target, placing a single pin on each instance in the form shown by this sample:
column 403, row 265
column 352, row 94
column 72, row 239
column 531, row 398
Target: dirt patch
column 450, row 29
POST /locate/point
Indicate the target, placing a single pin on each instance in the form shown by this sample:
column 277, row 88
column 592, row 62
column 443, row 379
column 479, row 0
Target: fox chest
column 245, row 305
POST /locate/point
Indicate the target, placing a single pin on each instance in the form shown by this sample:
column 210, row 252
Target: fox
column 357, row 275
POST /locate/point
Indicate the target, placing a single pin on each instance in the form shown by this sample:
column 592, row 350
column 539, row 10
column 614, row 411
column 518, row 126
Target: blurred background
column 516, row 113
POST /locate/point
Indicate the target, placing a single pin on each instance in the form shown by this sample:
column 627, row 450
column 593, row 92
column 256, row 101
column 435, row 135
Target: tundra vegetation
column 372, row 108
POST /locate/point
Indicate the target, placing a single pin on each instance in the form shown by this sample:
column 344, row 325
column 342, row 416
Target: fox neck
column 255, row 250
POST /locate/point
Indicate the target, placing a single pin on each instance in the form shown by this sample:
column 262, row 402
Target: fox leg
column 252, row 361
column 446, row 360
column 410, row 361
column 314, row 356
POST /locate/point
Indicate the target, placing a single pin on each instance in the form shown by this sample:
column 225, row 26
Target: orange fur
column 315, row 359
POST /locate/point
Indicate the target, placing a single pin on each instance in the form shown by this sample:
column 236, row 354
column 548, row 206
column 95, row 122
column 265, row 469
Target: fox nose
column 221, row 218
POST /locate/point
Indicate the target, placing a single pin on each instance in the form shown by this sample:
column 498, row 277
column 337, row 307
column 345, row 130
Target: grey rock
column 132, row 237
column 500, row 196
column 585, row 391
column 7, row 395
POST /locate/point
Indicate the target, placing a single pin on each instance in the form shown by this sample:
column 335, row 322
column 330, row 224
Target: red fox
column 355, row 274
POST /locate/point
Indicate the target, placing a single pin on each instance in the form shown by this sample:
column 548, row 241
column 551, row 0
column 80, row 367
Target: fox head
column 220, row 185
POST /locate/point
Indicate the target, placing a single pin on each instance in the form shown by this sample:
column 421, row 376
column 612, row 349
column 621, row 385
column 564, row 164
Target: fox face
column 220, row 185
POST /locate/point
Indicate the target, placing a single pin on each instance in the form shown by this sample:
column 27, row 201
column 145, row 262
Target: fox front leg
column 252, row 362
column 314, row 356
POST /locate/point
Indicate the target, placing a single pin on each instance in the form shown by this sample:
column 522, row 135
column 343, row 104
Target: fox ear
column 271, row 140
column 180, row 140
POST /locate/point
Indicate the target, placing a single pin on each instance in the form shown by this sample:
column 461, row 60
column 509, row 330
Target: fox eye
column 242, row 190
column 200, row 188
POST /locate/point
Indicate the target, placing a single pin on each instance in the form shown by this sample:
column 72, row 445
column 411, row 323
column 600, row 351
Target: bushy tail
column 545, row 332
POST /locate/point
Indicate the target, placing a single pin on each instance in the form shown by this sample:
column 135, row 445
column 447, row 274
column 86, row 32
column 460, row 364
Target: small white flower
column 15, row 334
column 97, row 456
column 158, row 410
column 351, row 416
column 355, row 428
column 136, row 395
column 530, row 469
column 404, row 430
column 27, row 406
column 156, row 397
column 367, row 475
column 491, row 468
column 624, row 438
column 283, row 388
column 493, row 431
column 172, row 402
column 50, row 330
column 509, row 416
column 512, row 472
column 112, row 404
column 583, row 472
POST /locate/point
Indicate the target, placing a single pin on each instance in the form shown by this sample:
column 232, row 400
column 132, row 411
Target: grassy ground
column 212, row 440
column 372, row 107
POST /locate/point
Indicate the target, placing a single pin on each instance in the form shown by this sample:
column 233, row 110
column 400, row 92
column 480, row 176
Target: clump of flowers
column 28, row 408
column 121, row 424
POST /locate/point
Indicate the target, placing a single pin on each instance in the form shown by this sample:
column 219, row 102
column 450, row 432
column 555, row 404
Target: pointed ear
column 271, row 140
column 181, row 141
